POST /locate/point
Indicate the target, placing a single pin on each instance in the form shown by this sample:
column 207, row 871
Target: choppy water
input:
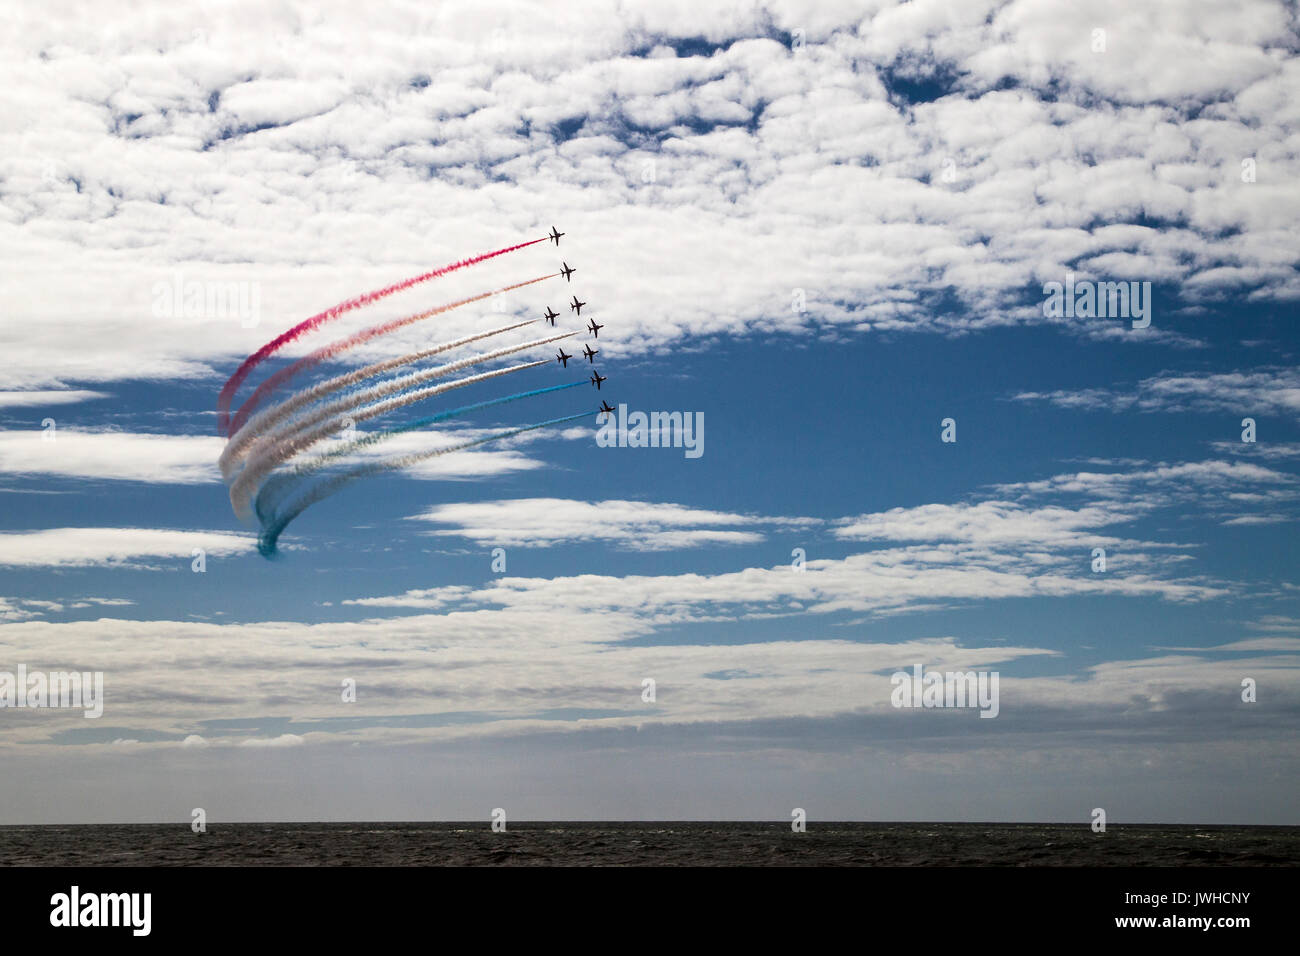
column 647, row 844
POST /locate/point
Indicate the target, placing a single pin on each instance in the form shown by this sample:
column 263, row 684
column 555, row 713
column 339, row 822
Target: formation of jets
column 575, row 306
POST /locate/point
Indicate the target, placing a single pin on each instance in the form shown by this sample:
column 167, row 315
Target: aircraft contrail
column 246, row 434
column 266, row 541
column 275, row 489
column 277, row 379
column 266, row 443
column 286, row 446
column 307, row 325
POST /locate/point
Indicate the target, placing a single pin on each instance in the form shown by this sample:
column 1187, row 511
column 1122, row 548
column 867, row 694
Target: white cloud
column 544, row 522
column 1258, row 519
column 512, row 648
column 16, row 609
column 1161, row 485
column 202, row 144
column 910, row 577
column 80, row 547
column 117, row 456
column 192, row 459
column 511, row 665
column 987, row 522
column 1250, row 645
column 37, row 398
column 1267, row 391
column 284, row 740
column 1264, row 449
column 23, row 609
column 1276, row 622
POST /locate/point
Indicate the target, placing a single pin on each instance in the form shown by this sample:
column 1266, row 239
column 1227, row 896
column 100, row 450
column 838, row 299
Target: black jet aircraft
column 550, row 316
column 597, row 378
column 563, row 359
column 576, row 306
column 566, row 271
column 555, row 236
column 590, row 353
column 594, row 328
column 604, row 407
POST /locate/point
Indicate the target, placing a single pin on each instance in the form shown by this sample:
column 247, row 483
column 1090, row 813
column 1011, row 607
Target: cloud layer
column 880, row 162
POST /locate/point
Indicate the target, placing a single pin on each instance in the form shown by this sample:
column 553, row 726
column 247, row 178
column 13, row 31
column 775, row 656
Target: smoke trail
column 275, row 490
column 248, row 432
column 277, row 379
column 266, row 444
column 307, row 325
column 266, row 541
column 259, row 466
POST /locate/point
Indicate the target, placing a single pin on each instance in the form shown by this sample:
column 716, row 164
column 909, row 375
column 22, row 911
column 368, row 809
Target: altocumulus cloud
column 543, row 522
column 79, row 547
column 740, row 151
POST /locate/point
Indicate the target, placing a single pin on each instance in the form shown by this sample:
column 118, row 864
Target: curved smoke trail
column 268, row 445
column 307, row 325
column 243, row 437
column 259, row 466
column 278, row 378
column 266, row 541
column 276, row 488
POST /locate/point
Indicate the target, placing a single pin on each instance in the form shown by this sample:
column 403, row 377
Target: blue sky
column 709, row 171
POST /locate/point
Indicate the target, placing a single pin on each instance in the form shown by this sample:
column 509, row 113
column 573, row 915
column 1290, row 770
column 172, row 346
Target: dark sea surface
column 647, row 844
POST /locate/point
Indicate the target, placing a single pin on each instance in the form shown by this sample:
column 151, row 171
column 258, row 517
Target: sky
column 827, row 235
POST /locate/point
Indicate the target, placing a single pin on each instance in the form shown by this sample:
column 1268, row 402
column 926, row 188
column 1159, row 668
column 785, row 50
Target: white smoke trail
column 278, row 487
column 265, row 444
column 261, row 464
column 266, row 542
column 235, row 449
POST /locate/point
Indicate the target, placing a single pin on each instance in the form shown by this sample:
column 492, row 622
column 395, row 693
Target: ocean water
column 647, row 844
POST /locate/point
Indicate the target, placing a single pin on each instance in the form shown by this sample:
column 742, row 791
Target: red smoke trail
column 307, row 325
column 342, row 345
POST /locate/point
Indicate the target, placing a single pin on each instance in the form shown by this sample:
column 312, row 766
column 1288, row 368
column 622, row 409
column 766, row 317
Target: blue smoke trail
column 266, row 541
column 275, row 490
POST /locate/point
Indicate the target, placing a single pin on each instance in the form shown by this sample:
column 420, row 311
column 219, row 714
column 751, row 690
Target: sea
column 648, row 844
